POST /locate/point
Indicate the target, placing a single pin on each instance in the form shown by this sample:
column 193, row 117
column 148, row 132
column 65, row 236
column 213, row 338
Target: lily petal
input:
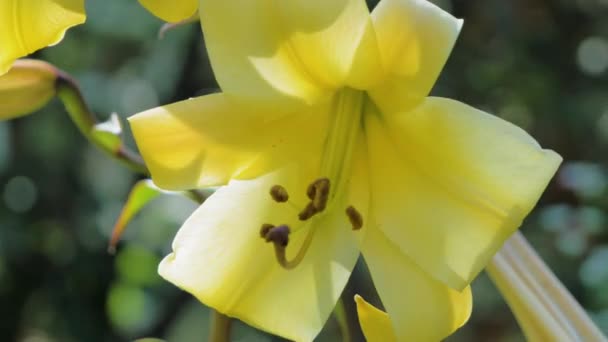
column 375, row 323
column 208, row 140
column 335, row 40
column 30, row 25
column 420, row 307
column 219, row 257
column 415, row 39
column 450, row 183
column 171, row 11
column 251, row 57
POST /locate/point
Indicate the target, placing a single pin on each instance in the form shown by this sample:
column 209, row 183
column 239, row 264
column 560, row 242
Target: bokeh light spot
column 137, row 266
column 20, row 194
column 592, row 55
column 593, row 272
column 587, row 180
column 128, row 308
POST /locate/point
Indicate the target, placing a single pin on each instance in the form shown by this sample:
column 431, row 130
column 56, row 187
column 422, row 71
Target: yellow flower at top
column 30, row 25
column 326, row 145
column 171, row 11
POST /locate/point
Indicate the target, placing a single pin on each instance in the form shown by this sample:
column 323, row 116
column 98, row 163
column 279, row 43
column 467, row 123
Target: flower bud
column 26, row 87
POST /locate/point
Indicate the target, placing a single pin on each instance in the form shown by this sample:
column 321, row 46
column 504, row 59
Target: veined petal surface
column 29, row 25
column 171, row 11
column 420, row 307
column 415, row 39
column 334, row 40
column 208, row 140
column 450, row 183
column 250, row 56
column 219, row 257
column 375, row 323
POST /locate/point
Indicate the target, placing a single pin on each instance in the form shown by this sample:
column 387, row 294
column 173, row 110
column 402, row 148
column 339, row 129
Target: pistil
column 279, row 236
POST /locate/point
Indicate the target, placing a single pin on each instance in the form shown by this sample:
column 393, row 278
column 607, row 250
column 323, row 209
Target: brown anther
column 279, row 235
column 266, row 227
column 308, row 212
column 355, row 218
column 311, row 191
column 321, row 193
column 279, row 194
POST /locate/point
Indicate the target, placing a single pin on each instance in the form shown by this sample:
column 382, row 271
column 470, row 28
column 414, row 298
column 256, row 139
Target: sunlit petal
column 171, row 11
column 29, row 25
column 375, row 323
column 209, row 140
column 250, row 55
column 420, row 307
column 450, row 183
column 219, row 257
column 415, row 39
column 334, row 40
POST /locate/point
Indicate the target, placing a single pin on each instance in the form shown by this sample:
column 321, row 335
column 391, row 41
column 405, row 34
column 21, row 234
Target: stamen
column 279, row 194
column 311, row 191
column 308, row 212
column 355, row 218
column 266, row 227
column 280, row 251
column 279, row 235
column 320, row 194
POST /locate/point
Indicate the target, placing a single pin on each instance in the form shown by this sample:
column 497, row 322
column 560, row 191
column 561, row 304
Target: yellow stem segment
column 543, row 307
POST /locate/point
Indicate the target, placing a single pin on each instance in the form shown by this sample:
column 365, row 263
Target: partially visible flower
column 30, row 25
column 378, row 327
column 330, row 146
column 375, row 323
column 421, row 307
column 542, row 305
column 171, row 11
column 26, row 87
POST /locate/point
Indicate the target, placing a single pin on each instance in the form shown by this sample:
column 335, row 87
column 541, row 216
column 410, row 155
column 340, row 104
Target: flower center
column 326, row 191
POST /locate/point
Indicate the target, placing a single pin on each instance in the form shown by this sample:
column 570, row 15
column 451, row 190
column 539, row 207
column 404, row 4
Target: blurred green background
column 540, row 64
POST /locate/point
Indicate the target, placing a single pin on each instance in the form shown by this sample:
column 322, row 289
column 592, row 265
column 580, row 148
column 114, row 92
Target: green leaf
column 141, row 194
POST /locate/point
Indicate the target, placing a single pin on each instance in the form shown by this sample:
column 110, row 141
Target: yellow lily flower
column 30, row 25
column 329, row 146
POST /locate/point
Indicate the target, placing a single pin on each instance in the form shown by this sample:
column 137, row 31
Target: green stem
column 220, row 327
column 82, row 116
column 541, row 303
column 85, row 120
column 341, row 317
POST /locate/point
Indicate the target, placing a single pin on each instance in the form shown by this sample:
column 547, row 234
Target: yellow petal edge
column 171, row 11
column 375, row 323
column 29, row 25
